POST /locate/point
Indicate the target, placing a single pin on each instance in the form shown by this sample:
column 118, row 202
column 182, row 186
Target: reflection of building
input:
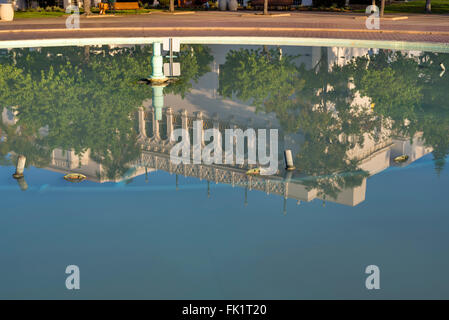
column 9, row 117
column 414, row 148
column 67, row 162
column 374, row 157
column 203, row 102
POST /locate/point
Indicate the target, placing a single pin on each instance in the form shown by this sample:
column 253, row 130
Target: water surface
column 139, row 227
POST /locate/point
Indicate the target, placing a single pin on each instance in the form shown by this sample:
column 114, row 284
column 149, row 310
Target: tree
column 86, row 97
column 304, row 104
column 86, row 5
column 172, row 5
column 265, row 7
column 319, row 105
column 382, row 8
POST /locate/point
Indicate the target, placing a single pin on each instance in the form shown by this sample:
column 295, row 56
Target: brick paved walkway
column 417, row 28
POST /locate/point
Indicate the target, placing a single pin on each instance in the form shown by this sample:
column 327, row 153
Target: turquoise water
column 140, row 229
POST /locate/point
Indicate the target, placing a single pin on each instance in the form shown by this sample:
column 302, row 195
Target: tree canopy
column 85, row 96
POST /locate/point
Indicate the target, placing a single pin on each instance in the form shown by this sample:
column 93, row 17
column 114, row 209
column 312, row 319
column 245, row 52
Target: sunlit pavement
column 420, row 28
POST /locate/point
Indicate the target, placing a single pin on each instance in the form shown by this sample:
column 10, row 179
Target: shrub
column 329, row 3
column 164, row 3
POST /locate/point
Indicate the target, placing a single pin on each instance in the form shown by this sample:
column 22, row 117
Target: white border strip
column 236, row 40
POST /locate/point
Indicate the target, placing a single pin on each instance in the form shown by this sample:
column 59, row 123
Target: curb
column 269, row 29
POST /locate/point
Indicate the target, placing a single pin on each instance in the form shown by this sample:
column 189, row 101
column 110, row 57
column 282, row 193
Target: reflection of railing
column 61, row 163
column 370, row 151
column 215, row 173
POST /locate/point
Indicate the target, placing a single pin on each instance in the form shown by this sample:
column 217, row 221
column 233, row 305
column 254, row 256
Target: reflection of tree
column 391, row 80
column 86, row 97
column 315, row 103
column 255, row 75
column 117, row 157
column 412, row 92
column 22, row 144
column 195, row 61
column 409, row 95
column 83, row 104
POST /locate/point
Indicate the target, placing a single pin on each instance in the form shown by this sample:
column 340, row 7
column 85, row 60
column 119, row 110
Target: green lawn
column 95, row 11
column 418, row 6
column 29, row 14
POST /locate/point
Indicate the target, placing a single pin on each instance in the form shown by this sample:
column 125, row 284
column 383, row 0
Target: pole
column 382, row 8
column 20, row 167
column 289, row 160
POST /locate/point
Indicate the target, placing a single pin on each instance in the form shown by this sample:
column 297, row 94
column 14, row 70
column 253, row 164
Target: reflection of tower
column 158, row 80
column 158, row 99
column 157, row 64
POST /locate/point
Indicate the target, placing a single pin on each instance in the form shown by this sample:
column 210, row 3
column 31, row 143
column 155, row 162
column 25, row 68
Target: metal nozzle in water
column 289, row 160
column 20, row 167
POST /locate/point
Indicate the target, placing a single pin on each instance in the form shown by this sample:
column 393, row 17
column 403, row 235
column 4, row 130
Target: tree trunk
column 172, row 5
column 265, row 7
column 86, row 5
column 86, row 53
column 382, row 8
column 374, row 2
column 428, row 6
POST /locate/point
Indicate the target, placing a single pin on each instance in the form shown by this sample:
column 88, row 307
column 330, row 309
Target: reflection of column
column 199, row 117
column 169, row 116
column 22, row 184
column 246, row 196
column 184, row 119
column 216, row 124
column 155, row 126
column 157, row 64
column 208, row 189
column 158, row 100
column 141, row 118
